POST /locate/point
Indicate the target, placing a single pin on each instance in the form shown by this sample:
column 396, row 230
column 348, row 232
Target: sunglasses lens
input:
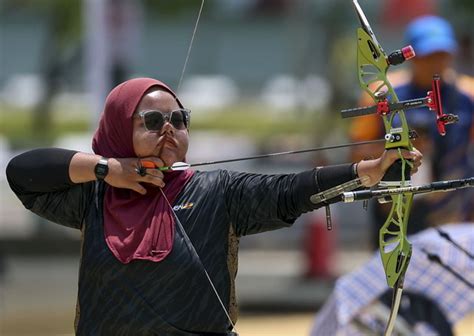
column 154, row 121
column 177, row 120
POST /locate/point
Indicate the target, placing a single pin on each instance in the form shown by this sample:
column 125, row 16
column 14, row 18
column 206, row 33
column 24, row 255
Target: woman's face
column 169, row 144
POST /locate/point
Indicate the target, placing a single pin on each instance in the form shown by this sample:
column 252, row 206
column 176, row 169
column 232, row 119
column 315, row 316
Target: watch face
column 101, row 169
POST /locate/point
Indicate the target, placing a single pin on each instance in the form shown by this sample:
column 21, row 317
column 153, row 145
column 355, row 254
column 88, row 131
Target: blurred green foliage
column 243, row 119
column 251, row 121
column 20, row 132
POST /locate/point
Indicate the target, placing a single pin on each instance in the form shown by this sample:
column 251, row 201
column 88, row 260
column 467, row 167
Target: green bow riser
column 395, row 249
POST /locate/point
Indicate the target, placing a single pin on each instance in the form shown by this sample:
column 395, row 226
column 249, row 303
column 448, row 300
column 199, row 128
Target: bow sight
column 384, row 108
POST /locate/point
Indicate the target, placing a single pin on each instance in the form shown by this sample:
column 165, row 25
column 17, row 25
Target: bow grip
column 393, row 174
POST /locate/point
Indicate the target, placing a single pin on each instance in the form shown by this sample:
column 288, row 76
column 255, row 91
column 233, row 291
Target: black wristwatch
column 101, row 169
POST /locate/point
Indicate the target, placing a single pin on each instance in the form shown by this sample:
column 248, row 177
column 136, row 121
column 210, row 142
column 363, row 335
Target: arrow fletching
column 177, row 166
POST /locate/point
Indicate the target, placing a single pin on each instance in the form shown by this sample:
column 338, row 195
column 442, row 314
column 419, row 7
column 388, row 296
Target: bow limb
column 396, row 299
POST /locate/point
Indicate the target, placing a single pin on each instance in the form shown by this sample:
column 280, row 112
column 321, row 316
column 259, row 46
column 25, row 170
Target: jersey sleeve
column 258, row 203
column 40, row 179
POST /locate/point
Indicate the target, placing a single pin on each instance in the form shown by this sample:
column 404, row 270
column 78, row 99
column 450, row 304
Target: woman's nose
column 167, row 128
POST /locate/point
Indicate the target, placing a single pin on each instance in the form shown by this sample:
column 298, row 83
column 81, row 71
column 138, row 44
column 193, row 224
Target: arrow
column 183, row 165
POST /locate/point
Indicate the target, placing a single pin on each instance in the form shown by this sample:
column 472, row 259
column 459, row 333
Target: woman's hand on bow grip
column 375, row 169
column 123, row 174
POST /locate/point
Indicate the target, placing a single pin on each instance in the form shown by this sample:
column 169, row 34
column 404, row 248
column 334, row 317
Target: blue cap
column 430, row 34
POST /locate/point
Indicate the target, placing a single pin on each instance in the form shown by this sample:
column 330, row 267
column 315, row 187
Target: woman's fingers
column 153, row 176
column 415, row 156
column 390, row 156
column 129, row 173
column 138, row 188
column 151, row 162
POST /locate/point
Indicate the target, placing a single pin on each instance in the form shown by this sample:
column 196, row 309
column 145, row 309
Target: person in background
column 159, row 246
column 445, row 157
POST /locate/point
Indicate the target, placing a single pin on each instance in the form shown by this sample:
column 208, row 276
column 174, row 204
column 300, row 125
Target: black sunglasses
column 154, row 120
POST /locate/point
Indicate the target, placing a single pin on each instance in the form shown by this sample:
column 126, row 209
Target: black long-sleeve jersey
column 171, row 297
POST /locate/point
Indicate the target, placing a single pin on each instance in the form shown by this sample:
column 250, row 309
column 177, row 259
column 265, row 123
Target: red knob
column 408, row 52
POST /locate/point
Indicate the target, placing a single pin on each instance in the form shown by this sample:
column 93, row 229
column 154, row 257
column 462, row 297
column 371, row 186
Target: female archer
column 147, row 269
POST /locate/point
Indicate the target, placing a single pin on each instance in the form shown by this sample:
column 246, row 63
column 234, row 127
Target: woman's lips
column 170, row 141
column 166, row 142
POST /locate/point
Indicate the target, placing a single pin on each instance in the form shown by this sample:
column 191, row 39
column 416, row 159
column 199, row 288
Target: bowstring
column 190, row 46
column 180, row 226
column 193, row 249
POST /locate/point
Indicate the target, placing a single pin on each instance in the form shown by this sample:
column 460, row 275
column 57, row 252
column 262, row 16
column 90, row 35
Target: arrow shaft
column 182, row 166
column 307, row 150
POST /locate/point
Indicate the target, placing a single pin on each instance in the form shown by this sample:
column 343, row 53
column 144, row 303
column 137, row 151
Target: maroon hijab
column 136, row 226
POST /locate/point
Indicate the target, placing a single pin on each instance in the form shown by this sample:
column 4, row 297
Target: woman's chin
column 168, row 160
